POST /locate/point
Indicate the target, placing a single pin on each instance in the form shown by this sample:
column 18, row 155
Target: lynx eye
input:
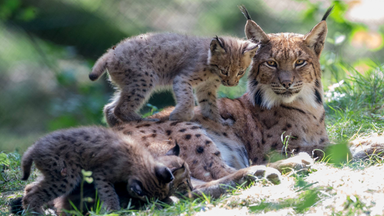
column 299, row 62
column 225, row 73
column 241, row 73
column 272, row 63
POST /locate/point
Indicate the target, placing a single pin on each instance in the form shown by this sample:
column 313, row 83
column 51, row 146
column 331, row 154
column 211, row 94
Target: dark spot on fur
column 187, row 137
column 144, row 125
column 168, row 132
column 254, row 161
column 174, row 123
column 198, row 135
column 182, row 130
column 127, row 132
column 200, row 149
column 153, row 135
column 225, row 134
column 217, row 153
column 207, row 142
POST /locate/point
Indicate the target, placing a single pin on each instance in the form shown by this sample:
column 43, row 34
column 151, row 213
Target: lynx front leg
column 247, row 175
column 206, row 95
column 106, row 192
column 185, row 103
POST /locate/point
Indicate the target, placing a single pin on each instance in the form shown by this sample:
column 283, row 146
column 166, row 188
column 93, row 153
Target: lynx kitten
column 141, row 64
column 112, row 158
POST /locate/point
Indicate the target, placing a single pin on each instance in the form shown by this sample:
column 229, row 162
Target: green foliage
column 338, row 154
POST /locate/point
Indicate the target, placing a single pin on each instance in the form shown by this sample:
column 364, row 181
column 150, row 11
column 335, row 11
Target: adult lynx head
column 286, row 67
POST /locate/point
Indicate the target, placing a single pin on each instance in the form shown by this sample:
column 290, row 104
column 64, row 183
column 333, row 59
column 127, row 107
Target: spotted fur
column 144, row 63
column 112, row 158
column 284, row 98
column 180, row 185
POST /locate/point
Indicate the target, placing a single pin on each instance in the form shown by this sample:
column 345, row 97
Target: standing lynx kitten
column 141, row 64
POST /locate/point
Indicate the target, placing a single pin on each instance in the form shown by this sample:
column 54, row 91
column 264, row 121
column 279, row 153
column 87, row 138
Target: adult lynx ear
column 217, row 45
column 252, row 30
column 316, row 37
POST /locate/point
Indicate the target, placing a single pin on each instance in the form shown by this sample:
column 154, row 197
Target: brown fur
column 112, row 158
column 141, row 64
column 180, row 185
column 284, row 98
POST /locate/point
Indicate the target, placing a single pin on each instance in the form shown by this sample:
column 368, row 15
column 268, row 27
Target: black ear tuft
column 327, row 13
column 175, row 150
column 219, row 41
column 217, row 45
column 244, row 11
column 163, row 174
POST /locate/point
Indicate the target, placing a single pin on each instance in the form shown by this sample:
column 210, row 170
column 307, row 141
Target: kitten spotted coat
column 61, row 155
column 147, row 62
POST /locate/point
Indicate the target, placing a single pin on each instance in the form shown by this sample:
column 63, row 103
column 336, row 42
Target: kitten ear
column 135, row 187
column 316, row 37
column 251, row 47
column 217, row 45
column 252, row 30
column 163, row 174
column 174, row 151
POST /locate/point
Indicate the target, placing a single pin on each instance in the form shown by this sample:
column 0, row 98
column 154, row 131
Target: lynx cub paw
column 185, row 115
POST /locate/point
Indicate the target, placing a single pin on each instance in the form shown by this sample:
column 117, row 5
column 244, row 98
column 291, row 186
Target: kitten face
column 229, row 58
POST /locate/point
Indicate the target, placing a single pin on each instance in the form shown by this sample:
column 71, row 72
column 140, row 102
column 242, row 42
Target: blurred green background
column 48, row 47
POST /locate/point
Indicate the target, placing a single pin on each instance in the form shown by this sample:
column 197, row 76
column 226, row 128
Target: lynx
column 284, row 98
column 180, row 185
column 112, row 158
column 147, row 62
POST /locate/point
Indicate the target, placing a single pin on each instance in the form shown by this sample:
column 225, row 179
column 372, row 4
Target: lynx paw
column 181, row 116
column 262, row 172
column 302, row 161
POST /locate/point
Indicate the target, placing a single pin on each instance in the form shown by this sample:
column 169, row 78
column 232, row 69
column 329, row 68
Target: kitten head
column 229, row 58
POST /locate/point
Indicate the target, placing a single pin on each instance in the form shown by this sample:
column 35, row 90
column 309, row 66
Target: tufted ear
column 163, row 174
column 174, row 151
column 316, row 37
column 252, row 30
column 217, row 45
column 135, row 188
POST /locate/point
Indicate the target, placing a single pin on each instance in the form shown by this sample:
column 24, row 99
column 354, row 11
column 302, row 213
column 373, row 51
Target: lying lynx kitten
column 141, row 64
column 62, row 155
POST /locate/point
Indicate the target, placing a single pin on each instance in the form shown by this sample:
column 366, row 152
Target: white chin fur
column 271, row 99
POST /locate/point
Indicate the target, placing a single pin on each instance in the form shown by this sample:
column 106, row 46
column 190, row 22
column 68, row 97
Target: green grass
column 355, row 108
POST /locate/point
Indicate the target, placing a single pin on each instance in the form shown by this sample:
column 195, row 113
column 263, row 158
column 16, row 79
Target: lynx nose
column 286, row 83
